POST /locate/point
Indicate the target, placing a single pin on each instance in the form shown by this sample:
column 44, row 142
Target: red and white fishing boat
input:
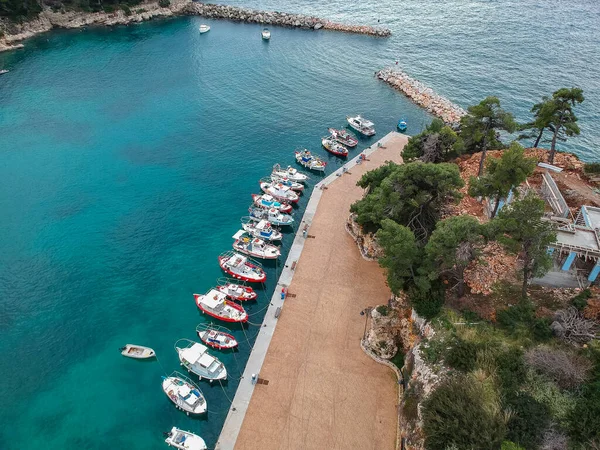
column 290, row 173
column 267, row 201
column 237, row 292
column 215, row 304
column 334, row 147
column 239, row 267
column 279, row 191
column 215, row 337
column 343, row 137
column 255, row 247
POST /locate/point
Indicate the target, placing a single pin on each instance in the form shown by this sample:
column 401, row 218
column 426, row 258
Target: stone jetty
column 238, row 14
column 422, row 95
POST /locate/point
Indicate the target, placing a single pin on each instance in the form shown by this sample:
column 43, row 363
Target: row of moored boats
column 257, row 238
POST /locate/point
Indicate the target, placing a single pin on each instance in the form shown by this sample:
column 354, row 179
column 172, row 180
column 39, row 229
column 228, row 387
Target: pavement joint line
column 243, row 395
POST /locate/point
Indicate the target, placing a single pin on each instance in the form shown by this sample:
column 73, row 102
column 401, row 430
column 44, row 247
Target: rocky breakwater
column 12, row 33
column 422, row 95
column 237, row 14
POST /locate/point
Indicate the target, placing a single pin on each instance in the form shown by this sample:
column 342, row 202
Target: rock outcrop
column 367, row 244
column 422, row 95
column 48, row 19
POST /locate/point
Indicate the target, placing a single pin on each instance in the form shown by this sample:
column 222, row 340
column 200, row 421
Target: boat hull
column 241, row 249
column 137, row 352
column 348, row 141
column 331, row 149
column 203, row 335
column 283, row 207
column 216, row 316
column 364, row 131
column 237, row 276
column 248, row 294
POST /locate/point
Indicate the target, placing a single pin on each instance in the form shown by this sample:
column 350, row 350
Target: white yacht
column 184, row 440
column 362, row 125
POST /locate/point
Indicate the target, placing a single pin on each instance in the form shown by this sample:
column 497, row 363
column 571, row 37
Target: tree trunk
column 495, row 211
column 525, row 279
column 461, row 288
column 553, row 147
column 483, row 153
column 537, row 141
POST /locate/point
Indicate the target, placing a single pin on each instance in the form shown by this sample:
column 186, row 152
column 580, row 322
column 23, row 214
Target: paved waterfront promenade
column 323, row 392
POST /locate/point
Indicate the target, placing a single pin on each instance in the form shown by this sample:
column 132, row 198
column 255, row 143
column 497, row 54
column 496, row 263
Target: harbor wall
column 238, row 14
column 12, row 33
column 241, row 401
column 422, row 95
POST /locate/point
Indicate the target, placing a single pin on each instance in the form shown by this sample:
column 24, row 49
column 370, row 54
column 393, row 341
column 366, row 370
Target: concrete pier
column 346, row 399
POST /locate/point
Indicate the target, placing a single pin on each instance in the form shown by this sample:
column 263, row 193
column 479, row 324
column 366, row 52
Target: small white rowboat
column 137, row 351
column 184, row 440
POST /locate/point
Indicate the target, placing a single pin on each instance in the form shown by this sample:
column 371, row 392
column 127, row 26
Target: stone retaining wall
column 238, row 14
column 422, row 95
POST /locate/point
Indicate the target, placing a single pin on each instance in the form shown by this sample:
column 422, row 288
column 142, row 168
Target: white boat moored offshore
column 137, row 351
column 184, row 440
column 290, row 173
column 266, row 34
column 195, row 358
column 362, row 125
column 184, row 393
column 2, row 72
column 204, row 28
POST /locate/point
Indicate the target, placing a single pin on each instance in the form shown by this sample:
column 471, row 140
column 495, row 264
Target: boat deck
column 323, row 392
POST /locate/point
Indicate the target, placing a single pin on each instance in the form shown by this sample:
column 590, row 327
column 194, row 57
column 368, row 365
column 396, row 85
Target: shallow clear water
column 127, row 157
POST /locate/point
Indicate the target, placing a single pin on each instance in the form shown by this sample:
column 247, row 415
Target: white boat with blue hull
column 262, row 229
column 184, row 440
column 184, row 394
column 272, row 215
column 195, row 358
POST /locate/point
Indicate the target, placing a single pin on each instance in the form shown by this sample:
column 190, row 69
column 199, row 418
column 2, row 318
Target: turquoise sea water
column 127, row 157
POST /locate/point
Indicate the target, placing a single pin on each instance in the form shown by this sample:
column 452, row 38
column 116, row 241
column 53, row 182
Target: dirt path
column 323, row 391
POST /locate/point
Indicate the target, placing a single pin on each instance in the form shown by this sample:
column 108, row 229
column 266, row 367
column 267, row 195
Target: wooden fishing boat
column 255, row 247
column 290, row 173
column 195, row 358
column 184, row 440
column 237, row 292
column 279, row 192
column 184, row 394
column 240, row 268
column 293, row 185
column 215, row 337
column 262, row 229
column 362, row 125
column 215, row 304
column 268, row 201
column 343, row 137
column 137, row 351
column 306, row 159
column 334, row 147
column 272, row 215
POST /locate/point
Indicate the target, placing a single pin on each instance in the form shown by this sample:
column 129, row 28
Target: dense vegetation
column 18, row 10
column 521, row 381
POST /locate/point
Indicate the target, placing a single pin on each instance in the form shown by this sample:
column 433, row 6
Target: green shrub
column 528, row 421
column 126, row 10
column 383, row 310
column 520, row 320
column 507, row 445
column 462, row 355
column 398, row 359
column 580, row 300
column 108, row 8
column 510, row 369
column 427, row 304
column 584, row 420
column 591, row 167
column 433, row 350
column 456, row 414
column 164, row 3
